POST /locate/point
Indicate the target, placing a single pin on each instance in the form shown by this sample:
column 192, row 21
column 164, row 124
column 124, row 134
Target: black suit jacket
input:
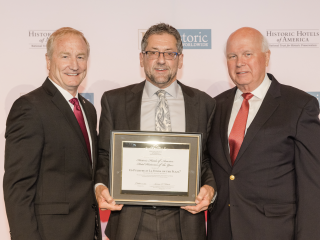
column 48, row 181
column 121, row 110
column 276, row 191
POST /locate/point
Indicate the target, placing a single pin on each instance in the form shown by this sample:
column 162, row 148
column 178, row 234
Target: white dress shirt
column 68, row 97
column 254, row 103
column 175, row 101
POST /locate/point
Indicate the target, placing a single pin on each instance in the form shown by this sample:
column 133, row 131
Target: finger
column 100, row 194
column 116, row 207
column 209, row 191
column 103, row 205
column 203, row 192
column 195, row 211
column 198, row 208
column 199, row 199
column 113, row 207
column 105, row 195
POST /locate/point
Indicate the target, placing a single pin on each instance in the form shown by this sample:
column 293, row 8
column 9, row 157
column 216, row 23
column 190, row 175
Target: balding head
column 247, row 58
column 263, row 39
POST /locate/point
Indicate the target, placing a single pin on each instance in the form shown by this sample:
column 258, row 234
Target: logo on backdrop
column 196, row 38
column 191, row 38
column 293, row 38
column 88, row 96
column 38, row 38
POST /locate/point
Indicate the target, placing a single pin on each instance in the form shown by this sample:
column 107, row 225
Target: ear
column 180, row 59
column 141, row 56
column 48, row 62
column 268, row 53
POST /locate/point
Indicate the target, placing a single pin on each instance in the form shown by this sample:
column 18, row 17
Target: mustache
column 161, row 66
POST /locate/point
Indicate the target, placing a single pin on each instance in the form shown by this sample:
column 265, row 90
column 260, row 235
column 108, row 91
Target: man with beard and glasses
column 134, row 108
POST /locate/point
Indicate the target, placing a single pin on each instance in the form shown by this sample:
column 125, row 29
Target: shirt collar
column 260, row 92
column 151, row 89
column 68, row 96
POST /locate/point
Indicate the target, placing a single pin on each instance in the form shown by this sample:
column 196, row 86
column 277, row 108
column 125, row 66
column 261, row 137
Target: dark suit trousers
column 159, row 223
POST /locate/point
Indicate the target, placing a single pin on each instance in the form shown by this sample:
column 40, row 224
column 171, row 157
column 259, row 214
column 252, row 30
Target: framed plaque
column 155, row 168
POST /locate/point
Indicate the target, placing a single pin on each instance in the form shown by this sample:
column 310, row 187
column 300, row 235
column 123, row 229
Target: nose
column 161, row 59
column 240, row 62
column 74, row 64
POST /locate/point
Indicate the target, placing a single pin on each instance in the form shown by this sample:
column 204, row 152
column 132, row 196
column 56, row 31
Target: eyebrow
column 67, row 53
column 154, row 48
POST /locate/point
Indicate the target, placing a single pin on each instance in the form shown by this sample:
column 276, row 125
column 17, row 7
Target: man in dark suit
column 136, row 107
column 265, row 154
column 51, row 151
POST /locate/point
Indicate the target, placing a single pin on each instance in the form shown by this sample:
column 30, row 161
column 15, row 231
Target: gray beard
column 168, row 80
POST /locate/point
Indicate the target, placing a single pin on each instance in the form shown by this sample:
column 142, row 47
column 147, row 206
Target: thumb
column 201, row 195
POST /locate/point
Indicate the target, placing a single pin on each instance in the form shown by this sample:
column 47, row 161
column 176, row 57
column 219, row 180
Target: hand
column 203, row 200
column 105, row 201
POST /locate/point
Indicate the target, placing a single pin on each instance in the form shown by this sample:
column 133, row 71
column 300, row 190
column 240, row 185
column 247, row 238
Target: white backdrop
column 114, row 28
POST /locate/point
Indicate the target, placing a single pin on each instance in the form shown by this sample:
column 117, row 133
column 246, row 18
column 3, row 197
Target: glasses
column 152, row 55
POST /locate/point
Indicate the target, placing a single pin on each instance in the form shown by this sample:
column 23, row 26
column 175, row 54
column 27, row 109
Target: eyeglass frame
column 175, row 56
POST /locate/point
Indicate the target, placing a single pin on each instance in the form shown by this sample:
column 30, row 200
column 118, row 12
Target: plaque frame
column 154, row 198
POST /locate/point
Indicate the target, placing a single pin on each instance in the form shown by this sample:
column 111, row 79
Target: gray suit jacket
column 121, row 110
column 276, row 190
column 48, row 181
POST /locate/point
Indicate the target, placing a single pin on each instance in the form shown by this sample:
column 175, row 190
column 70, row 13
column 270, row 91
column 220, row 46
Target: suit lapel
column 133, row 105
column 61, row 103
column 224, row 121
column 191, row 102
column 267, row 108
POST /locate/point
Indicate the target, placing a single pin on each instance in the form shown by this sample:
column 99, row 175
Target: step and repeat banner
column 114, row 30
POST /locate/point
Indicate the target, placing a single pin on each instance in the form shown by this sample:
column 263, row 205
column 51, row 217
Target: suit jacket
column 276, row 190
column 48, row 181
column 121, row 110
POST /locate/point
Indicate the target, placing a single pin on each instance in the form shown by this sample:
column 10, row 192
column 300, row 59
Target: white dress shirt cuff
column 214, row 197
column 98, row 184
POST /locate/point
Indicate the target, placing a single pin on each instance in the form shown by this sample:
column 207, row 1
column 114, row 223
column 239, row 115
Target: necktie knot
column 161, row 93
column 75, row 102
column 247, row 96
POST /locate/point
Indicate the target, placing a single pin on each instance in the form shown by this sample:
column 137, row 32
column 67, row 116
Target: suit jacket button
column 232, row 177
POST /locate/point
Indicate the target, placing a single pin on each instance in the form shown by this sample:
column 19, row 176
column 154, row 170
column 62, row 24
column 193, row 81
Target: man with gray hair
column 136, row 107
column 265, row 154
column 51, row 151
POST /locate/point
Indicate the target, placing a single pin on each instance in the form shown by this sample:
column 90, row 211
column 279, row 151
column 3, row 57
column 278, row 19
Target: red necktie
column 78, row 113
column 239, row 127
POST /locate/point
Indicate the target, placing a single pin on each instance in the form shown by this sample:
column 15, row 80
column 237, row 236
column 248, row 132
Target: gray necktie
column 163, row 122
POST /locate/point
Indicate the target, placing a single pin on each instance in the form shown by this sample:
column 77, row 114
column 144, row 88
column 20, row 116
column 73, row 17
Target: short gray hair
column 159, row 29
column 265, row 44
column 60, row 33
